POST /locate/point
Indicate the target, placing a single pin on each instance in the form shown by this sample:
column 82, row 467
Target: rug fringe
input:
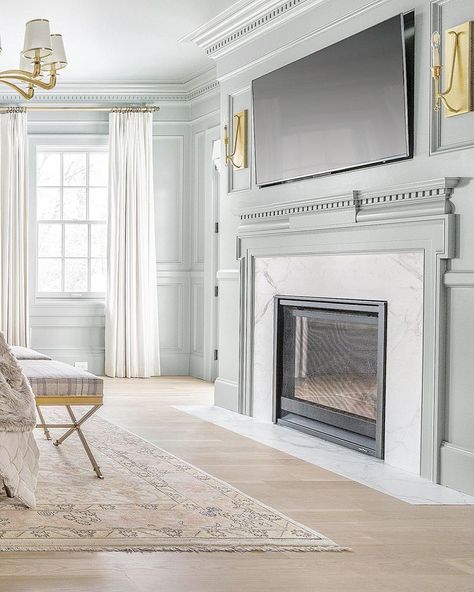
column 174, row 548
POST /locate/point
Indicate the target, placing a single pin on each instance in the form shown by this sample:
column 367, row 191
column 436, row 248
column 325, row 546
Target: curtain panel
column 14, row 320
column 131, row 325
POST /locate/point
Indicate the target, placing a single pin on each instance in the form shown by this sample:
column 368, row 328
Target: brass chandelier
column 42, row 56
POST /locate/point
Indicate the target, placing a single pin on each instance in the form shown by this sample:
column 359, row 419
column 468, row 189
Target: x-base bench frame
column 76, row 426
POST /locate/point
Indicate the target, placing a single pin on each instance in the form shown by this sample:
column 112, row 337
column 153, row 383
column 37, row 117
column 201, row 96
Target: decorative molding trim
column 459, row 279
column 301, row 207
column 433, row 197
column 243, row 21
column 314, row 33
column 90, row 93
column 200, row 91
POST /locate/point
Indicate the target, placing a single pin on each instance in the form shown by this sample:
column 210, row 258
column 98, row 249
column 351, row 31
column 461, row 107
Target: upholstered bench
column 56, row 384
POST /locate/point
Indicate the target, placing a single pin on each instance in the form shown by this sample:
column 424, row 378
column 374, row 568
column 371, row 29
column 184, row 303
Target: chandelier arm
column 29, row 79
column 25, row 94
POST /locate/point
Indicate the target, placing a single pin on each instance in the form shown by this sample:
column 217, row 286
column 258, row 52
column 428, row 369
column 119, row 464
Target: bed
column 19, row 453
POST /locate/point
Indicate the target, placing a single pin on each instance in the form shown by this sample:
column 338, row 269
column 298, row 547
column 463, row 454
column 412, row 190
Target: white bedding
column 18, row 450
column 19, row 456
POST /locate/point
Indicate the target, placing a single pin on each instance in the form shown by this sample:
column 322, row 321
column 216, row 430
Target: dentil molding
column 421, row 198
column 150, row 93
column 243, row 21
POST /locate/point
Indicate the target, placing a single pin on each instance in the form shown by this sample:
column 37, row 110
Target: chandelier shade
column 58, row 55
column 37, row 40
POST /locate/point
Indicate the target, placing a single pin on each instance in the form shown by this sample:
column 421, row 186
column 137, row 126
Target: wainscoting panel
column 457, row 452
column 174, row 318
column 199, row 196
column 169, row 199
column 197, row 328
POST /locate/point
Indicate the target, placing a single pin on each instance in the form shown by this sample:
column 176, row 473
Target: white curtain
column 14, row 227
column 131, row 330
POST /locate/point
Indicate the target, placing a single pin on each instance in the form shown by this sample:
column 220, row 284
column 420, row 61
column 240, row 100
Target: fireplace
column 329, row 375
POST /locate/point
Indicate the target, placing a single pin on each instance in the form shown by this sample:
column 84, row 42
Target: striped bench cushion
column 49, row 378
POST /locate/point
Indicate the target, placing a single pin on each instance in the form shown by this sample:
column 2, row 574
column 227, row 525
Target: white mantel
column 389, row 245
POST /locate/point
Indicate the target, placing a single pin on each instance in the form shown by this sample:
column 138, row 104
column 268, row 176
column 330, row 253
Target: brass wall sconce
column 457, row 97
column 238, row 157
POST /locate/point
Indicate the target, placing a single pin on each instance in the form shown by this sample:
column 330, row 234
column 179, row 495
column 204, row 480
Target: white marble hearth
column 353, row 465
column 396, row 278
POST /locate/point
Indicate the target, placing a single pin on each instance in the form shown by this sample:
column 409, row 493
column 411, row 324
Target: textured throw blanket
column 18, row 450
column 17, row 402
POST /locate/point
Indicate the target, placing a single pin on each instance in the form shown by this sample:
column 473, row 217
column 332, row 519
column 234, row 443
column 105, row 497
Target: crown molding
column 416, row 199
column 243, row 21
column 92, row 93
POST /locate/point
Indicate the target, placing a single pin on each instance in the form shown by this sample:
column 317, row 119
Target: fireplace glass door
column 329, row 371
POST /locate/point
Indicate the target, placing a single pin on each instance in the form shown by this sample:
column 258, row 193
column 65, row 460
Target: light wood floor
column 396, row 547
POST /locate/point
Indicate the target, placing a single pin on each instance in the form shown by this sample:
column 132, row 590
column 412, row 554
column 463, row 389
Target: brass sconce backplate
column 238, row 158
column 241, row 140
column 460, row 95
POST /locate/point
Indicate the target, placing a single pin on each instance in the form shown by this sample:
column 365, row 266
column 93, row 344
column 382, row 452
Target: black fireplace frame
column 333, row 433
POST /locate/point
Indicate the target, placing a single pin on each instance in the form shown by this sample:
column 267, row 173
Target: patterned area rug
column 149, row 500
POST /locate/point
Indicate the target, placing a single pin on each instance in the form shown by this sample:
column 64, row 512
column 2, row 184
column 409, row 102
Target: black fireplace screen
column 329, row 370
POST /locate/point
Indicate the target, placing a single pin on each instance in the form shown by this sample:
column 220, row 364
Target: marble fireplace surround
column 388, row 245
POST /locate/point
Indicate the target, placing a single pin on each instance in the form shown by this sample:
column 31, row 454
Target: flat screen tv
column 347, row 106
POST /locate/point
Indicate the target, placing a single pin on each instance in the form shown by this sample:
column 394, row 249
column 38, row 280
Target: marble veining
column 361, row 468
column 396, row 278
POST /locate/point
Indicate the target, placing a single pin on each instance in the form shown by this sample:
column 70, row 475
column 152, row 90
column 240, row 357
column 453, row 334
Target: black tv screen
column 346, row 106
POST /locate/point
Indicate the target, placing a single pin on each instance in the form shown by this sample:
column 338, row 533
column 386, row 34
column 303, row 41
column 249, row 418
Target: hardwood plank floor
column 396, row 547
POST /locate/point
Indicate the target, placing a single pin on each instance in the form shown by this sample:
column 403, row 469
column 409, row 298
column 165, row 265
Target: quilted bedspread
column 18, row 450
column 19, row 457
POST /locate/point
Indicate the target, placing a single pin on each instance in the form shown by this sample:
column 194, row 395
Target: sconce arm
column 440, row 96
column 230, row 157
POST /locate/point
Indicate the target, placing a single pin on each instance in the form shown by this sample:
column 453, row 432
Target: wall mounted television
column 347, row 106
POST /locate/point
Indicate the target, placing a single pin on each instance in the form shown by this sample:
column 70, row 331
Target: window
column 71, row 213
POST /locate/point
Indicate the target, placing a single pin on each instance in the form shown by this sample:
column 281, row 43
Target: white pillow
column 24, row 353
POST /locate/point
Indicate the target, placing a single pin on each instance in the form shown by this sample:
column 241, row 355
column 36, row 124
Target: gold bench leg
column 45, row 429
column 77, row 428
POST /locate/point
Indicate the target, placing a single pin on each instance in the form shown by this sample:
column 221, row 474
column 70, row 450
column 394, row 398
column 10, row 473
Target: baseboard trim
column 226, row 394
column 457, row 468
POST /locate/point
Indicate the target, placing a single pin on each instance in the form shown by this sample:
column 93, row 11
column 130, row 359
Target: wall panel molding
column 459, row 11
column 199, row 196
column 173, row 294
column 178, row 237
column 459, row 279
column 197, row 314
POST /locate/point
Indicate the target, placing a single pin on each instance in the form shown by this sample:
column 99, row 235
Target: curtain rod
column 20, row 108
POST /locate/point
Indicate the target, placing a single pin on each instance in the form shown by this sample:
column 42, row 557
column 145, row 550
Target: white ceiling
column 113, row 40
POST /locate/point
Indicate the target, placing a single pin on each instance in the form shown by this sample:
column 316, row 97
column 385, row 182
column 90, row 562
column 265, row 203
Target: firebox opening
column 330, row 369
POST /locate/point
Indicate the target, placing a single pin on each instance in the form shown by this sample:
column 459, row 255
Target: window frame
column 64, row 148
